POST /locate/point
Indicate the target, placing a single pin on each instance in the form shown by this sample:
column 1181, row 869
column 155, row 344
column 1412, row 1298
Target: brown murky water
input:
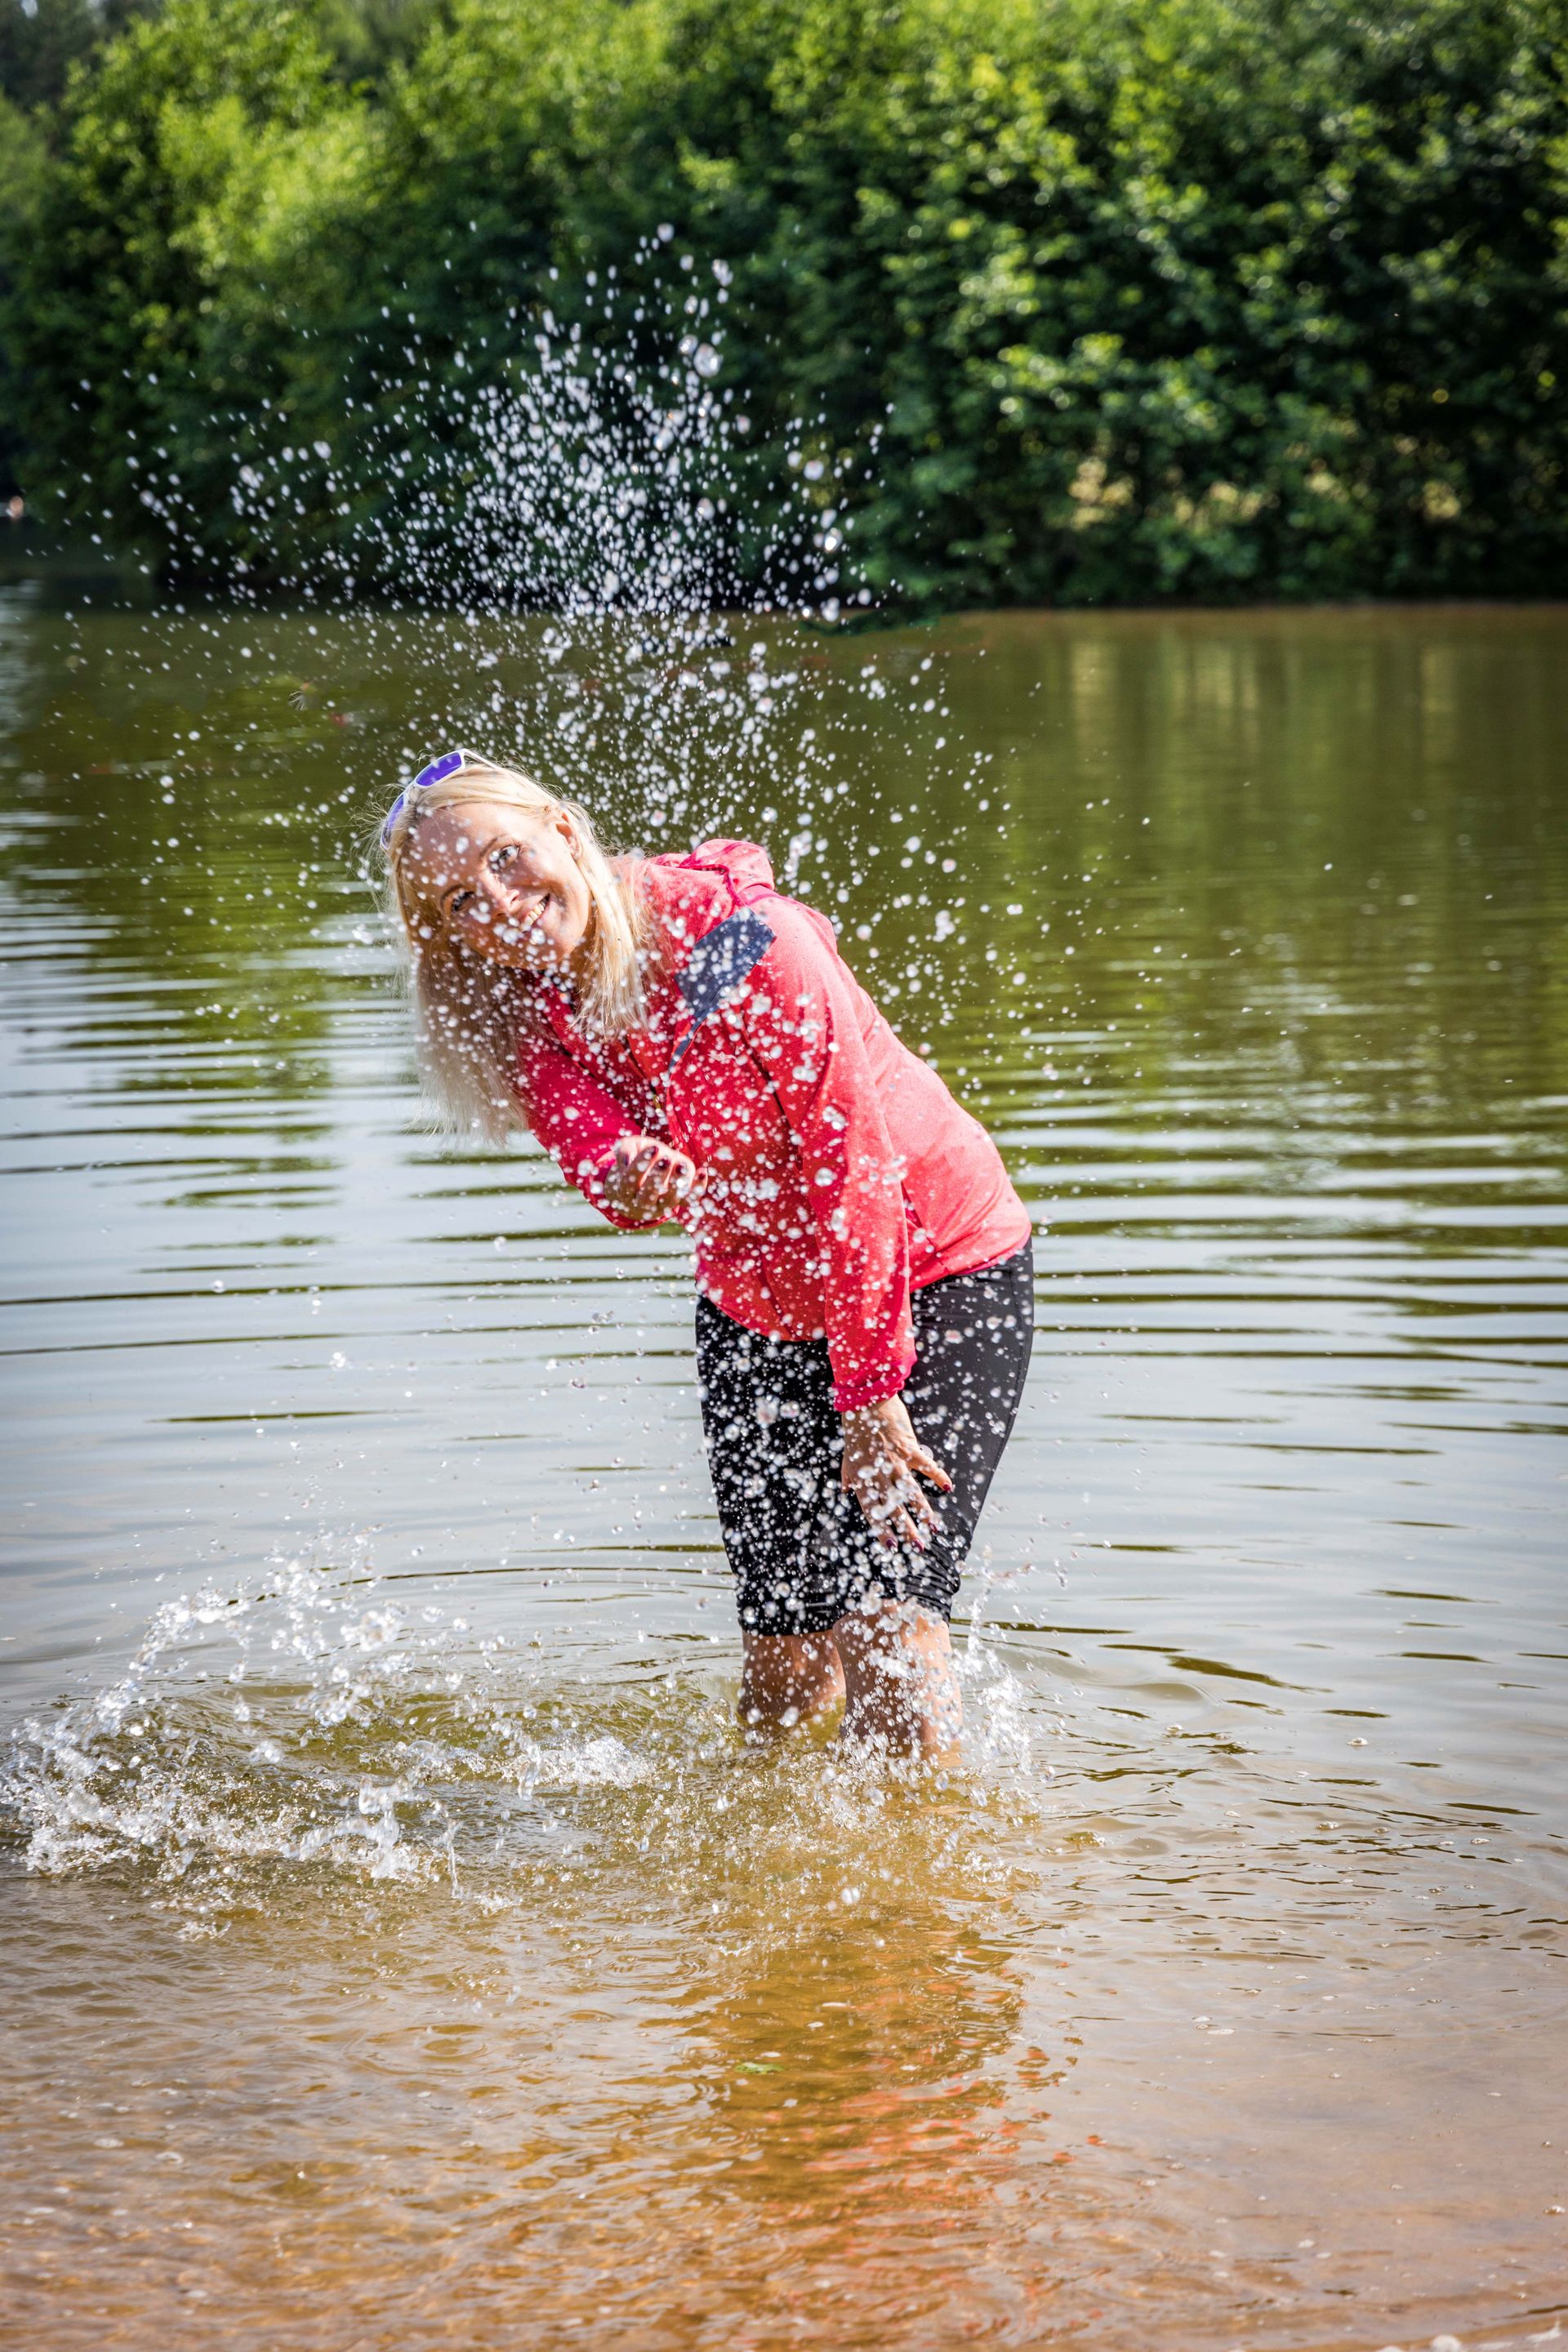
column 399, row 1946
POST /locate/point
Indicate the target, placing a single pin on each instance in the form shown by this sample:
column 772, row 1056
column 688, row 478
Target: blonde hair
column 469, row 1015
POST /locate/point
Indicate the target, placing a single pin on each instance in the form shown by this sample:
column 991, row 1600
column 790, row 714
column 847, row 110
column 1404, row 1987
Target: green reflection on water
column 1246, row 932
column 1312, row 865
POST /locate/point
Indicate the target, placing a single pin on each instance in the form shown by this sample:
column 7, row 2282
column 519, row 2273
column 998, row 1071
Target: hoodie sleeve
column 802, row 1023
column 578, row 1122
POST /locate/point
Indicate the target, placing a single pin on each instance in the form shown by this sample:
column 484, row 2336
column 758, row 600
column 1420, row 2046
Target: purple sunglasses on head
column 449, row 764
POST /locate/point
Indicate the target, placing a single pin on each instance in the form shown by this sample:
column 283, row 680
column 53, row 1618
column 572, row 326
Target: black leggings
column 801, row 1549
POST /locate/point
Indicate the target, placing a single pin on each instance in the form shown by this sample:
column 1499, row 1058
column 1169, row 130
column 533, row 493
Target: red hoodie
column 837, row 1173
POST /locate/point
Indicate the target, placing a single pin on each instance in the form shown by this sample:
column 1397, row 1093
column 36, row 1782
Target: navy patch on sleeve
column 717, row 965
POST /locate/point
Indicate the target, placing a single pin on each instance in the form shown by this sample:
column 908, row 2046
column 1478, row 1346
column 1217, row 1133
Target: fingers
column 893, row 1504
column 632, row 1155
column 903, row 1495
column 647, row 1183
column 653, row 1177
column 898, row 1525
column 915, row 1509
column 882, row 1466
column 928, row 1467
column 634, row 1159
column 670, row 1178
column 900, row 1528
column 924, row 1508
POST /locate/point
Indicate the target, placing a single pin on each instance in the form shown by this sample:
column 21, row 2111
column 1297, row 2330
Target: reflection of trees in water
column 195, row 893
column 1331, row 798
column 1309, row 860
column 1311, row 872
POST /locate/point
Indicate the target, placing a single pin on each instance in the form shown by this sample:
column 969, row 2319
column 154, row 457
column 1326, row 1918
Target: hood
column 741, row 863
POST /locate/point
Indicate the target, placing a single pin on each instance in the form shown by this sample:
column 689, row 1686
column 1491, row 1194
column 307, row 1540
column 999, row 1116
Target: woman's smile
column 513, row 917
column 510, row 890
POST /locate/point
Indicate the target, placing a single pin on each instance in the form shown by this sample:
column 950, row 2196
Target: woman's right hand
column 884, row 1462
column 648, row 1181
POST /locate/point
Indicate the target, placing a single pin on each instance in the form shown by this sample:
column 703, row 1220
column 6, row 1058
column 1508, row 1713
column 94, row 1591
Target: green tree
column 183, row 118
column 21, row 174
column 41, row 40
column 1096, row 299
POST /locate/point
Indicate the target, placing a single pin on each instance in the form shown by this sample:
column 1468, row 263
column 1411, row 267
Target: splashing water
column 619, row 496
column 588, row 475
column 311, row 1719
column 611, row 480
column 608, row 479
column 579, row 477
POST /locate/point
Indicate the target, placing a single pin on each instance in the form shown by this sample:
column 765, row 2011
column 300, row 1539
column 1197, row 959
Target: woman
column 686, row 1043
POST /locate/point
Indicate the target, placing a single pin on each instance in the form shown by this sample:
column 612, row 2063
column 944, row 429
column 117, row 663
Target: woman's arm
column 633, row 1180
column 804, row 1024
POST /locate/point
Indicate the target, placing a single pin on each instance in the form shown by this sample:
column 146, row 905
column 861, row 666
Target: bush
column 21, row 175
column 1134, row 300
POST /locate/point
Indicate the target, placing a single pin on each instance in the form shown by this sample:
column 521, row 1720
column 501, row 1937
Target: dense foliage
column 1098, row 300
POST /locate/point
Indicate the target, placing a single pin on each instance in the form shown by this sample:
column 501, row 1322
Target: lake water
column 401, row 1946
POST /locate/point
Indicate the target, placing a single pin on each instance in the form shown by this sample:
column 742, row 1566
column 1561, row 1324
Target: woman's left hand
column 884, row 1462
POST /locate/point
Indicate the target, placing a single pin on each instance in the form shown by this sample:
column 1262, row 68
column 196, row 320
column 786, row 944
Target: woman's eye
column 459, row 900
column 504, row 856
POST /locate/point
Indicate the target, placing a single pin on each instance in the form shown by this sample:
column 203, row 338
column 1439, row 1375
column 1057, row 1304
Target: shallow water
column 401, row 1946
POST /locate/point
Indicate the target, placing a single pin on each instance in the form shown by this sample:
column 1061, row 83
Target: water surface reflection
column 403, row 1949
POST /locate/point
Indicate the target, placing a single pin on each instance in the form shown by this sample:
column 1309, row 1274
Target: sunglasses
column 450, row 763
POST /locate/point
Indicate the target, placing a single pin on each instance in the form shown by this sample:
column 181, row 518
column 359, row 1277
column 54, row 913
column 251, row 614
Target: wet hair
column 469, row 1015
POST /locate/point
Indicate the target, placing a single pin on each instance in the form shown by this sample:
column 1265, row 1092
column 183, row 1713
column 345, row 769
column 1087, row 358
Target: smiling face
column 503, row 884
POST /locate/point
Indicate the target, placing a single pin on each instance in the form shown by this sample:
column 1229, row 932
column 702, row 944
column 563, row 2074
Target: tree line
column 1082, row 301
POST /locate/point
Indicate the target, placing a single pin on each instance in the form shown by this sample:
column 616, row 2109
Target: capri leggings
column 801, row 1549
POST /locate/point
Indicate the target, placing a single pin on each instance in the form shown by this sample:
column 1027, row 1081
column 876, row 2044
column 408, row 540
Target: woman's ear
column 568, row 832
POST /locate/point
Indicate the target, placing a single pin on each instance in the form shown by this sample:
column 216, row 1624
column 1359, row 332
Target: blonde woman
column 687, row 1043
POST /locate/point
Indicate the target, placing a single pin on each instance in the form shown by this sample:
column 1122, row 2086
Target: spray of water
column 607, row 481
column 313, row 1720
column 601, row 464
column 624, row 584
column 308, row 1717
